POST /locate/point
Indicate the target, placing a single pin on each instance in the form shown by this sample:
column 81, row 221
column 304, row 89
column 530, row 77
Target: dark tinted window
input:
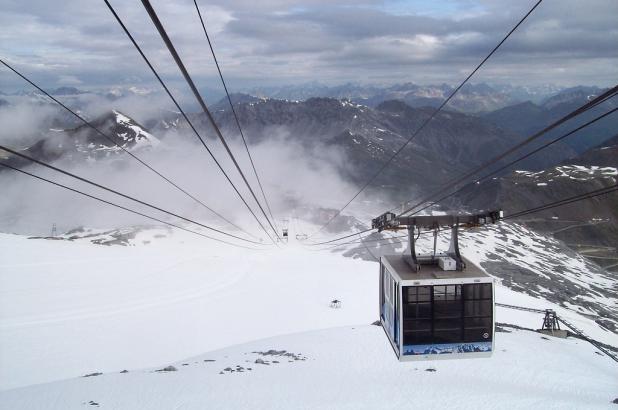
column 447, row 313
column 477, row 291
column 447, row 336
column 417, row 294
column 478, row 312
column 477, row 308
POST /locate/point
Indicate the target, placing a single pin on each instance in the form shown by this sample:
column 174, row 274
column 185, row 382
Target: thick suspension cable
column 121, row 207
column 565, row 201
column 184, row 115
column 433, row 114
column 391, row 240
column 544, row 207
column 67, row 173
column 484, row 178
column 592, row 104
column 340, row 238
column 242, row 135
column 113, row 141
column 589, row 105
column 200, row 100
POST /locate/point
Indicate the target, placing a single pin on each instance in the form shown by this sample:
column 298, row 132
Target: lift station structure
column 438, row 305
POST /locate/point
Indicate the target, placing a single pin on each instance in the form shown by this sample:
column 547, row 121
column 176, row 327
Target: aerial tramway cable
column 479, row 180
column 589, row 105
column 565, row 201
column 121, row 207
column 434, row 113
column 156, row 74
column 200, row 100
column 36, row 161
column 551, row 205
column 107, row 137
column 229, row 99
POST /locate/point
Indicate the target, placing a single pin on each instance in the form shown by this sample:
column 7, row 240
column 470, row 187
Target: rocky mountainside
column 472, row 98
column 84, row 143
column 450, row 144
column 526, row 118
column 590, row 227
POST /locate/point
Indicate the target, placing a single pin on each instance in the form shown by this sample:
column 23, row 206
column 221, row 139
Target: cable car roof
column 404, row 271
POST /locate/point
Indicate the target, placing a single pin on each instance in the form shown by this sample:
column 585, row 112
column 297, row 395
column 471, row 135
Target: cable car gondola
column 435, row 306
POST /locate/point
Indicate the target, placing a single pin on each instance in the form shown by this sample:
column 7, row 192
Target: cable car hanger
column 391, row 222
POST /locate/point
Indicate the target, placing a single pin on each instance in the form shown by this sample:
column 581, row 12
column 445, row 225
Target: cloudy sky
column 273, row 42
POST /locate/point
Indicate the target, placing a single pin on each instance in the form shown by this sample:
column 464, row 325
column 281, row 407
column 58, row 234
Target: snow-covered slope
column 105, row 308
column 346, row 368
column 74, row 307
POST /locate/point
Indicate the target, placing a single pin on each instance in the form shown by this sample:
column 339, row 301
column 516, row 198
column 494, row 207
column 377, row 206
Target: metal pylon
column 550, row 321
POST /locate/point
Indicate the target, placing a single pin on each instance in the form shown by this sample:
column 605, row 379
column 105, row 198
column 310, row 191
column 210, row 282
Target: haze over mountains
column 471, row 98
column 362, row 127
column 368, row 123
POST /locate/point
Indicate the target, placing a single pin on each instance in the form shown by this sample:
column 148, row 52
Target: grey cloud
column 295, row 41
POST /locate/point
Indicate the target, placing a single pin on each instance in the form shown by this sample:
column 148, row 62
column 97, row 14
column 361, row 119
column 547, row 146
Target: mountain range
column 367, row 137
column 472, row 98
column 589, row 227
column 526, row 118
column 84, row 143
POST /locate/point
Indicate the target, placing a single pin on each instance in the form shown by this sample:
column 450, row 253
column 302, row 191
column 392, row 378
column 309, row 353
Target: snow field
column 72, row 308
column 347, row 368
column 76, row 308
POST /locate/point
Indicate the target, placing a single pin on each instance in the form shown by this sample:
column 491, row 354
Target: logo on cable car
column 485, row 335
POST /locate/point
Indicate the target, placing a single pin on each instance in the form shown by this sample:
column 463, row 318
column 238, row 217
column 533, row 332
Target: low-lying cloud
column 293, row 175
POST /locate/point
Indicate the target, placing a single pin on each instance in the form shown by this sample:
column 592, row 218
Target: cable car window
column 477, row 308
column 417, row 314
column 447, row 324
column 417, row 311
column 439, row 293
column 453, row 292
column 477, row 322
column 417, row 294
column 447, row 313
column 477, row 291
column 420, row 325
column 478, row 312
column 411, row 294
column 447, row 336
column 447, row 309
column 424, row 293
column 447, row 292
column 417, row 337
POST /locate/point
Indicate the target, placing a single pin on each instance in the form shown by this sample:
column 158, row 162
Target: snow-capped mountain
column 590, row 227
column 85, row 143
column 369, row 136
column 472, row 98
